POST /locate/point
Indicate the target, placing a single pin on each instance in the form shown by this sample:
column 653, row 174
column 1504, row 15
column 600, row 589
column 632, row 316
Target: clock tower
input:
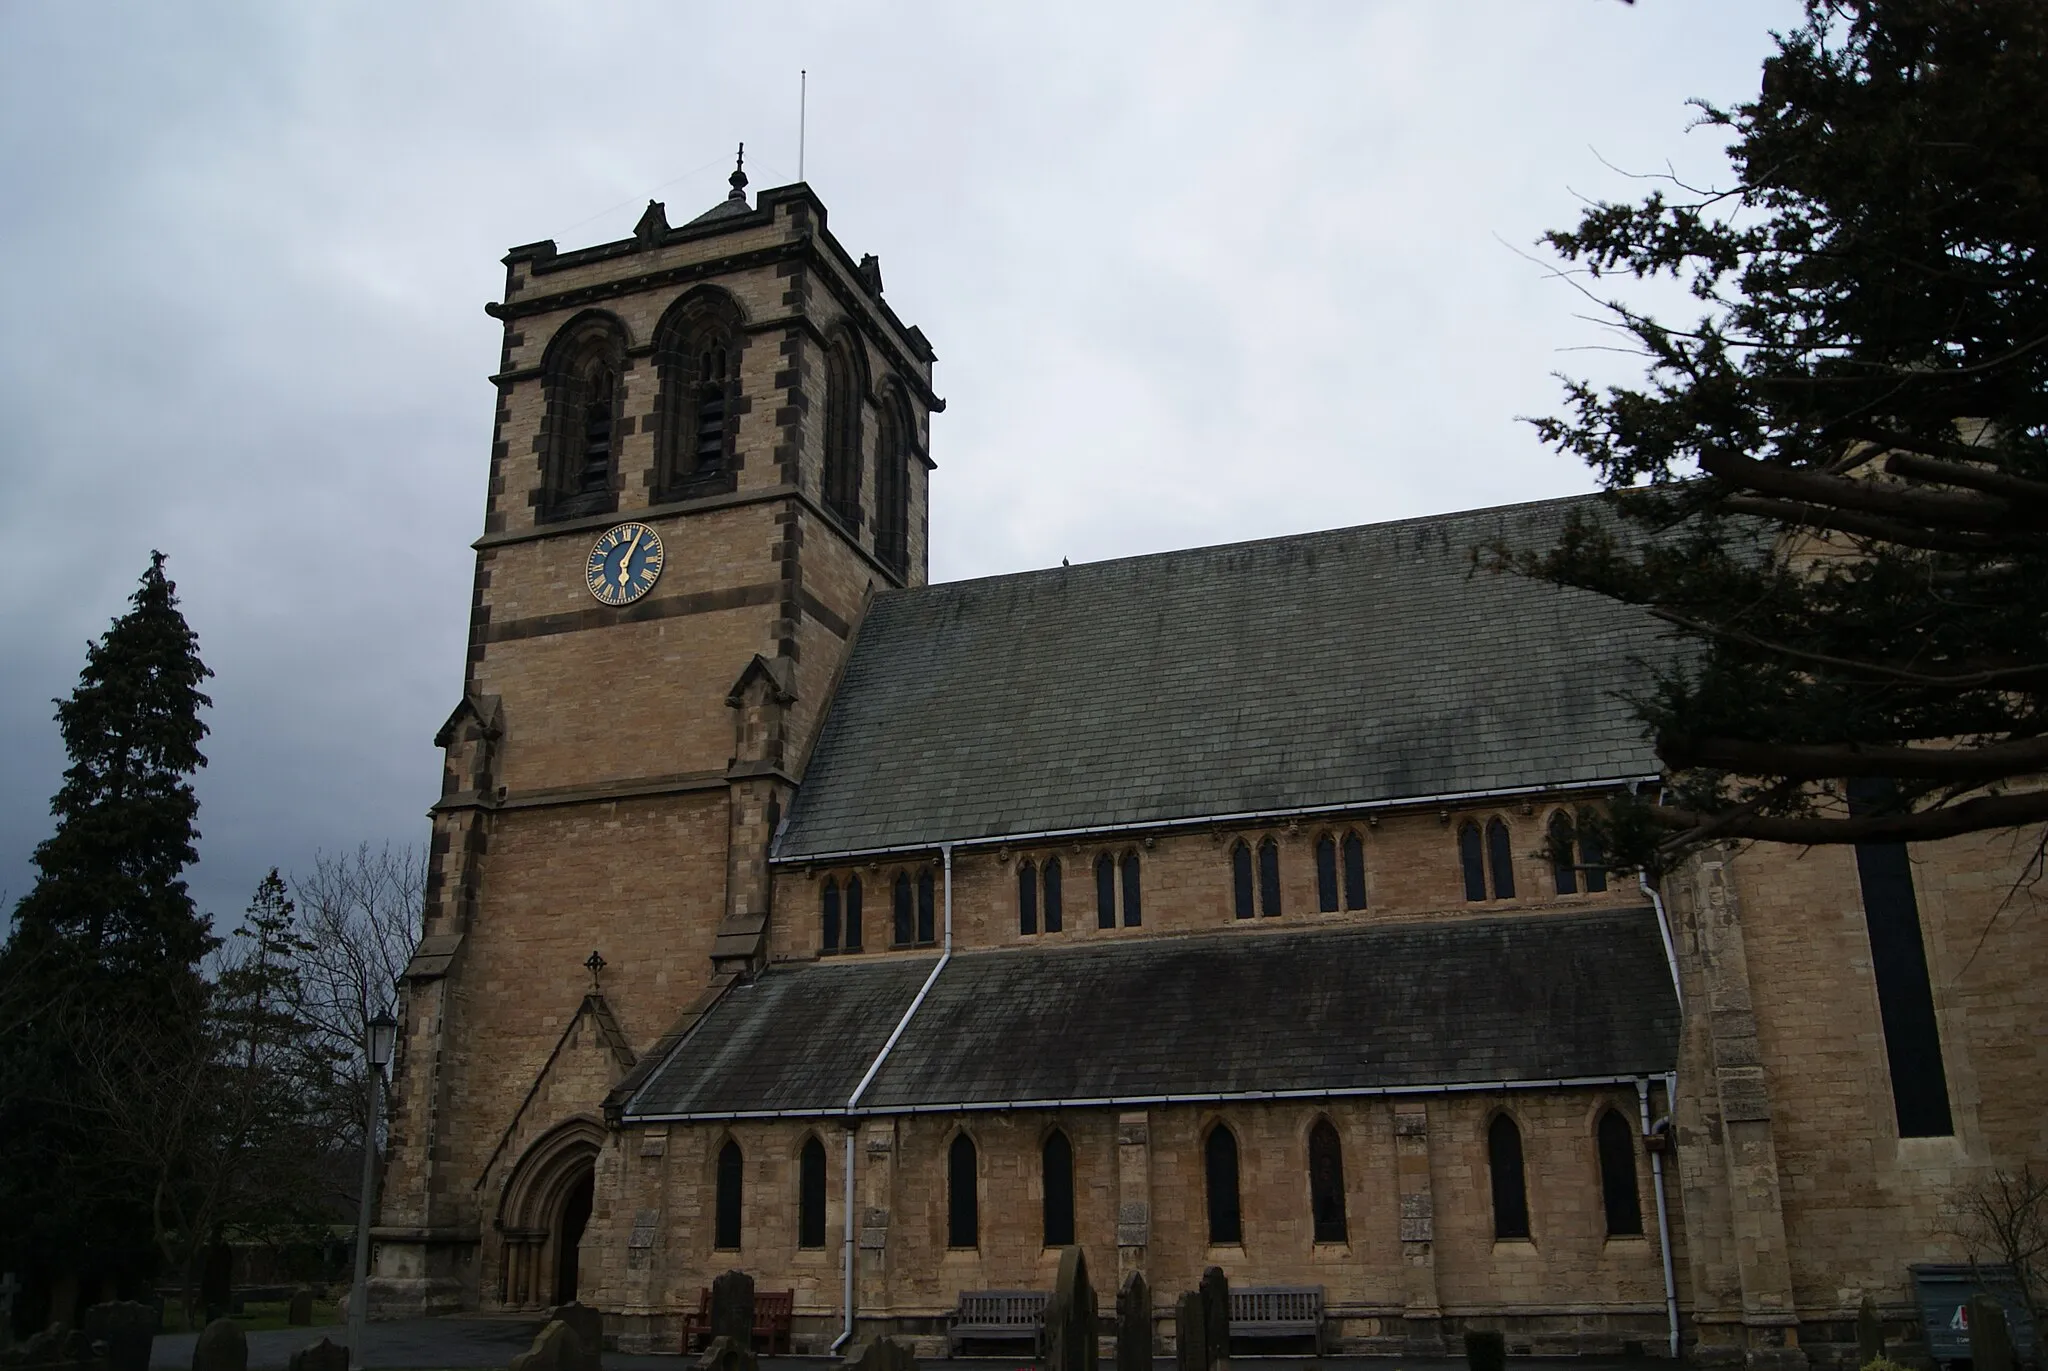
column 709, row 451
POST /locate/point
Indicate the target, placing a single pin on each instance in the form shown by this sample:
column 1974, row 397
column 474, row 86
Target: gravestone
column 1190, row 1333
column 57, row 1348
column 588, row 1325
column 725, row 1354
column 299, row 1313
column 554, row 1349
column 1070, row 1317
column 221, row 1347
column 1134, row 1324
column 886, row 1354
column 1869, row 1332
column 320, row 1356
column 1215, row 1292
column 732, row 1308
column 127, row 1328
column 1990, row 1339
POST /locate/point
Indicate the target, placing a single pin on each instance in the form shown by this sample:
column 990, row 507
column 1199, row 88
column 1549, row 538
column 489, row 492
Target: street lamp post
column 383, row 1032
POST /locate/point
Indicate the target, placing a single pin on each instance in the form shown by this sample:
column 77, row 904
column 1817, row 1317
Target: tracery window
column 1504, row 1165
column 1057, row 1171
column 1269, row 878
column 810, row 1194
column 1219, row 1170
column 1618, row 1175
column 726, row 1209
column 1326, row 1182
column 963, row 1198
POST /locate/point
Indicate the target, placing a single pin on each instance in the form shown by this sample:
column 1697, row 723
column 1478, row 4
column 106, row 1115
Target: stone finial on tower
column 739, row 177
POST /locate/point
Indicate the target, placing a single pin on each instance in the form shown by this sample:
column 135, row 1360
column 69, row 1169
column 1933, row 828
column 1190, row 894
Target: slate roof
column 1244, row 1012
column 1356, row 666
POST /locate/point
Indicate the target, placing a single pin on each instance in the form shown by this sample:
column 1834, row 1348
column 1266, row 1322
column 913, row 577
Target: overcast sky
column 1194, row 273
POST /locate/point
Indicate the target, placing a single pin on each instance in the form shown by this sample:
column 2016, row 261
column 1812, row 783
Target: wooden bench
column 773, row 1312
column 997, row 1316
column 1277, row 1311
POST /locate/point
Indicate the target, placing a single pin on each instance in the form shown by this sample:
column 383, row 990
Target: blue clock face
column 624, row 565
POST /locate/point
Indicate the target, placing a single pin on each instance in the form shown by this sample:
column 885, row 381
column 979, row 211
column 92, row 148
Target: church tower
column 710, row 450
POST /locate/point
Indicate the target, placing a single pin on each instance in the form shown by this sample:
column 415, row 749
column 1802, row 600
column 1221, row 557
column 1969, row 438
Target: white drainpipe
column 853, row 1101
column 1663, row 1214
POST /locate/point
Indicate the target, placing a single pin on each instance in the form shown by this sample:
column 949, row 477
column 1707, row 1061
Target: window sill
column 1514, row 1244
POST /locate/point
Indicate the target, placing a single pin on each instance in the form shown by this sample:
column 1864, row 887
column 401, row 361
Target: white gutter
column 1663, row 1214
column 1664, row 931
column 853, row 1100
column 1132, row 1101
column 1212, row 820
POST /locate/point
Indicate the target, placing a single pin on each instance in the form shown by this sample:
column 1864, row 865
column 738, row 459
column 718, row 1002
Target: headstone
column 1486, row 1350
column 299, row 1313
column 320, row 1356
column 732, row 1308
column 1869, row 1333
column 724, row 1354
column 1134, row 1324
column 221, row 1347
column 127, row 1328
column 1070, row 1318
column 44, row 1347
column 588, row 1326
column 1190, row 1334
column 1215, row 1293
column 1990, row 1340
column 886, row 1354
column 554, row 1349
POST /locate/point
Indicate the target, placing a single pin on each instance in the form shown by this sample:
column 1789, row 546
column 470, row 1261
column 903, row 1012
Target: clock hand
column 626, row 562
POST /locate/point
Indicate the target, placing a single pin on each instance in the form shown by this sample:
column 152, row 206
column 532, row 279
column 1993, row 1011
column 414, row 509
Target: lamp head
column 383, row 1035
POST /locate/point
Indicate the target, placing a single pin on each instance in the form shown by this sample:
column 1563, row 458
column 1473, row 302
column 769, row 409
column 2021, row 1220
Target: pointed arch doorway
column 546, row 1207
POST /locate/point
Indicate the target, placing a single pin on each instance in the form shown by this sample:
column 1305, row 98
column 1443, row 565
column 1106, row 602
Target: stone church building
column 792, row 914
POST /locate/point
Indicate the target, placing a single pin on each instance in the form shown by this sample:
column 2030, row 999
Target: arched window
column 1472, row 860
column 963, row 1200
column 1269, row 877
column 852, row 939
column 1618, row 1175
column 1241, row 878
column 697, row 362
column 1027, row 898
column 1564, row 871
column 726, row 1217
column 927, row 912
column 1592, row 855
column 842, row 433
column 1134, row 905
column 1105, row 891
column 892, row 486
column 1500, row 859
column 1054, row 915
column 906, row 925
column 1326, row 1182
column 829, row 899
column 584, row 364
column 1058, row 1171
column 810, row 1194
column 1219, row 1167
column 1354, row 871
column 1326, row 874
column 1504, row 1162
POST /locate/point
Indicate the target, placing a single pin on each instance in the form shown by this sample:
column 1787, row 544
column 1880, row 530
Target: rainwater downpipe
column 1663, row 1214
column 853, row 1100
column 1664, row 931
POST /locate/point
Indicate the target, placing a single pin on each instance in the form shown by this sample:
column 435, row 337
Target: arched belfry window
column 1326, row 1181
column 1057, row 1162
column 1500, row 859
column 1510, row 1191
column 892, row 485
column 1219, row 1172
column 697, row 359
column 726, row 1210
column 963, row 1196
column 810, row 1194
column 843, row 387
column 584, row 368
column 1618, row 1176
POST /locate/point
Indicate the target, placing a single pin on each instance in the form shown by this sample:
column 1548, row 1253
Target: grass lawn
column 259, row 1316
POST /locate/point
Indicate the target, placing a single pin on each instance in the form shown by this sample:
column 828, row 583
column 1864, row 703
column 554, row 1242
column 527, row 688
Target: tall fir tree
column 107, row 940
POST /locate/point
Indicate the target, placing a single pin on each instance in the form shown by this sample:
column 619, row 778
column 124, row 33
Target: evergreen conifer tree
column 107, row 940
